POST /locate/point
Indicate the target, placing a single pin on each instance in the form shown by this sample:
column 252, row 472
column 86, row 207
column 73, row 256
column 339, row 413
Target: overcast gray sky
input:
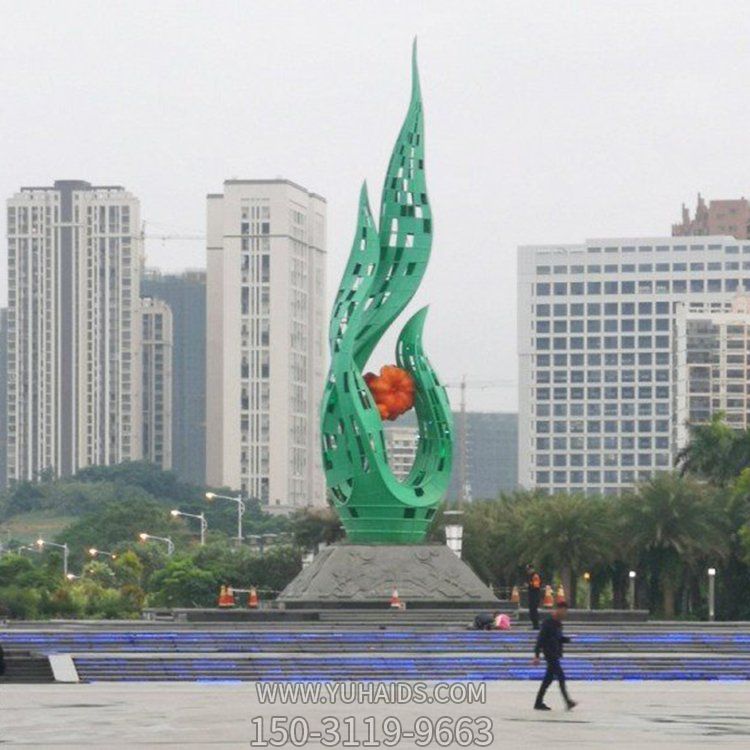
column 546, row 122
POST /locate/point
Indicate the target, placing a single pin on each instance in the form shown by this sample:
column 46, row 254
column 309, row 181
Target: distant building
column 3, row 397
column 266, row 350
column 712, row 351
column 185, row 293
column 156, row 382
column 596, row 328
column 491, row 455
column 722, row 217
column 73, row 334
column 491, row 452
column 401, row 444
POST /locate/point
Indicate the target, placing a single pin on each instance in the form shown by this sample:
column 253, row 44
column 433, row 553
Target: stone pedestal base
column 362, row 575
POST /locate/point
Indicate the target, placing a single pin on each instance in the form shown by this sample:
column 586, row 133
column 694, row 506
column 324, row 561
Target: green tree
column 120, row 523
column 715, row 452
column 670, row 524
column 128, row 568
column 568, row 534
column 491, row 543
column 311, row 527
column 181, row 583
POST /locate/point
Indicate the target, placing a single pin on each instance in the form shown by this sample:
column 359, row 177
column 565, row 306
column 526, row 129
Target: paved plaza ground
column 189, row 715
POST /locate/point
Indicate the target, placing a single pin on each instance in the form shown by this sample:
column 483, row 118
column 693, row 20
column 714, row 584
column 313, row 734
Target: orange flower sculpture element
column 393, row 391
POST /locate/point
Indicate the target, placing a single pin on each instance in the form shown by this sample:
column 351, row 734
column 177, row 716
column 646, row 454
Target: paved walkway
column 610, row 715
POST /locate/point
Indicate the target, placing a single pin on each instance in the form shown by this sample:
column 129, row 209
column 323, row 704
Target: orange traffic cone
column 226, row 599
column 252, row 598
column 230, row 596
column 560, row 594
column 515, row 596
column 548, row 601
column 395, row 601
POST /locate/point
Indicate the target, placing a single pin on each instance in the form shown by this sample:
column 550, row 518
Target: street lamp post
column 711, row 593
column 93, row 551
column 64, row 547
column 202, row 518
column 170, row 544
column 587, row 578
column 240, row 509
column 632, row 574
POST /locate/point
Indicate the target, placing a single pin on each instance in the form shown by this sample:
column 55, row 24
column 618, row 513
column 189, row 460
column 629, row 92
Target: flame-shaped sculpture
column 384, row 270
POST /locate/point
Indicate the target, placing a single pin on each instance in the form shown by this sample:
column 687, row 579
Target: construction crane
column 143, row 236
column 173, row 237
column 464, row 487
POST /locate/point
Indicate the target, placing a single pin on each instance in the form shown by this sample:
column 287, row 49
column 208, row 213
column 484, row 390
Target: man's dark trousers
column 534, row 596
column 554, row 671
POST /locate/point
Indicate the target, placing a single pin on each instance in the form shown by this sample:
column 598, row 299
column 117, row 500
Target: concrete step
column 342, row 640
column 26, row 667
column 156, row 668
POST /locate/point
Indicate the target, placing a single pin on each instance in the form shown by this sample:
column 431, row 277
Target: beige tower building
column 712, row 351
column 156, row 381
column 73, row 333
column 401, row 442
column 266, row 343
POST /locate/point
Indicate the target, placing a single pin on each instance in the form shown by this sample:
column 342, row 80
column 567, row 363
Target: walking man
column 550, row 642
column 534, row 581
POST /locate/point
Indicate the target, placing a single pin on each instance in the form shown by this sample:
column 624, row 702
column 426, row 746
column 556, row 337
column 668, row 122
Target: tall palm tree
column 491, row 536
column 715, row 452
column 671, row 523
column 568, row 534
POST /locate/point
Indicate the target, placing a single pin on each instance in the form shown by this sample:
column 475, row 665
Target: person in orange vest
column 535, row 593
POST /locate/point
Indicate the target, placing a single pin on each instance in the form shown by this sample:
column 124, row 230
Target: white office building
column 156, row 381
column 266, row 341
column 712, row 364
column 596, row 328
column 73, row 334
column 401, row 444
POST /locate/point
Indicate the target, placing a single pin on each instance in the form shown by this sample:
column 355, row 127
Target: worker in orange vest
column 535, row 593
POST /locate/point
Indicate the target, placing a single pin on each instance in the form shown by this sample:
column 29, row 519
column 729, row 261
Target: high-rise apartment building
column 3, row 398
column 401, row 442
column 596, row 328
column 723, row 217
column 712, row 364
column 266, row 343
column 156, row 382
column 185, row 293
column 73, row 334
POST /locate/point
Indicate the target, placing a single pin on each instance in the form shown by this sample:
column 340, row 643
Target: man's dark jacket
column 550, row 640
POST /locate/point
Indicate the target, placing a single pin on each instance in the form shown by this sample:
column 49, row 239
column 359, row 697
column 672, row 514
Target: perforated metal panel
column 384, row 270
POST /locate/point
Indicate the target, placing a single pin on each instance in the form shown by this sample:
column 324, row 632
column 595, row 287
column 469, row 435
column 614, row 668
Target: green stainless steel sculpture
column 384, row 270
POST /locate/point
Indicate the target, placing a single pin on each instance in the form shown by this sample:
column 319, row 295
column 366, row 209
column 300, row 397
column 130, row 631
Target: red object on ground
column 252, row 598
column 395, row 602
column 560, row 595
column 226, row 597
column 393, row 391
